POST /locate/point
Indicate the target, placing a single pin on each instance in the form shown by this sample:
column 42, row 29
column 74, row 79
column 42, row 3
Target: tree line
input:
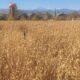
column 42, row 16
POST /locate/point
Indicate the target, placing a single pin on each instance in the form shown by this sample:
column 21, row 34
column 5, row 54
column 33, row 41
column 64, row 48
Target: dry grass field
column 40, row 50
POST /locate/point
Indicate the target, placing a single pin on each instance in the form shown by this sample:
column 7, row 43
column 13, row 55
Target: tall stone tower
column 12, row 10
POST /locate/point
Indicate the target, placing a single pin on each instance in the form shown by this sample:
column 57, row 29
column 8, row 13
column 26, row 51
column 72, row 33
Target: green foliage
column 3, row 17
column 11, row 18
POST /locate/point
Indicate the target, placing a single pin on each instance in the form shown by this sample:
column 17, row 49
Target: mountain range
column 41, row 10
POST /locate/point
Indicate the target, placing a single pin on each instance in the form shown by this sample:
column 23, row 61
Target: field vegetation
column 40, row 50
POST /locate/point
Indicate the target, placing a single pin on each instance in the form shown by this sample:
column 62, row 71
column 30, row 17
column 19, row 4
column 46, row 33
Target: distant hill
column 41, row 10
column 5, row 11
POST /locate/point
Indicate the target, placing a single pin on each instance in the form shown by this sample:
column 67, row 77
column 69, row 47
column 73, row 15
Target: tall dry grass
column 40, row 50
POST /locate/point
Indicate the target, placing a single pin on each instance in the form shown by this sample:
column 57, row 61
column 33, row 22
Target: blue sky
column 49, row 4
